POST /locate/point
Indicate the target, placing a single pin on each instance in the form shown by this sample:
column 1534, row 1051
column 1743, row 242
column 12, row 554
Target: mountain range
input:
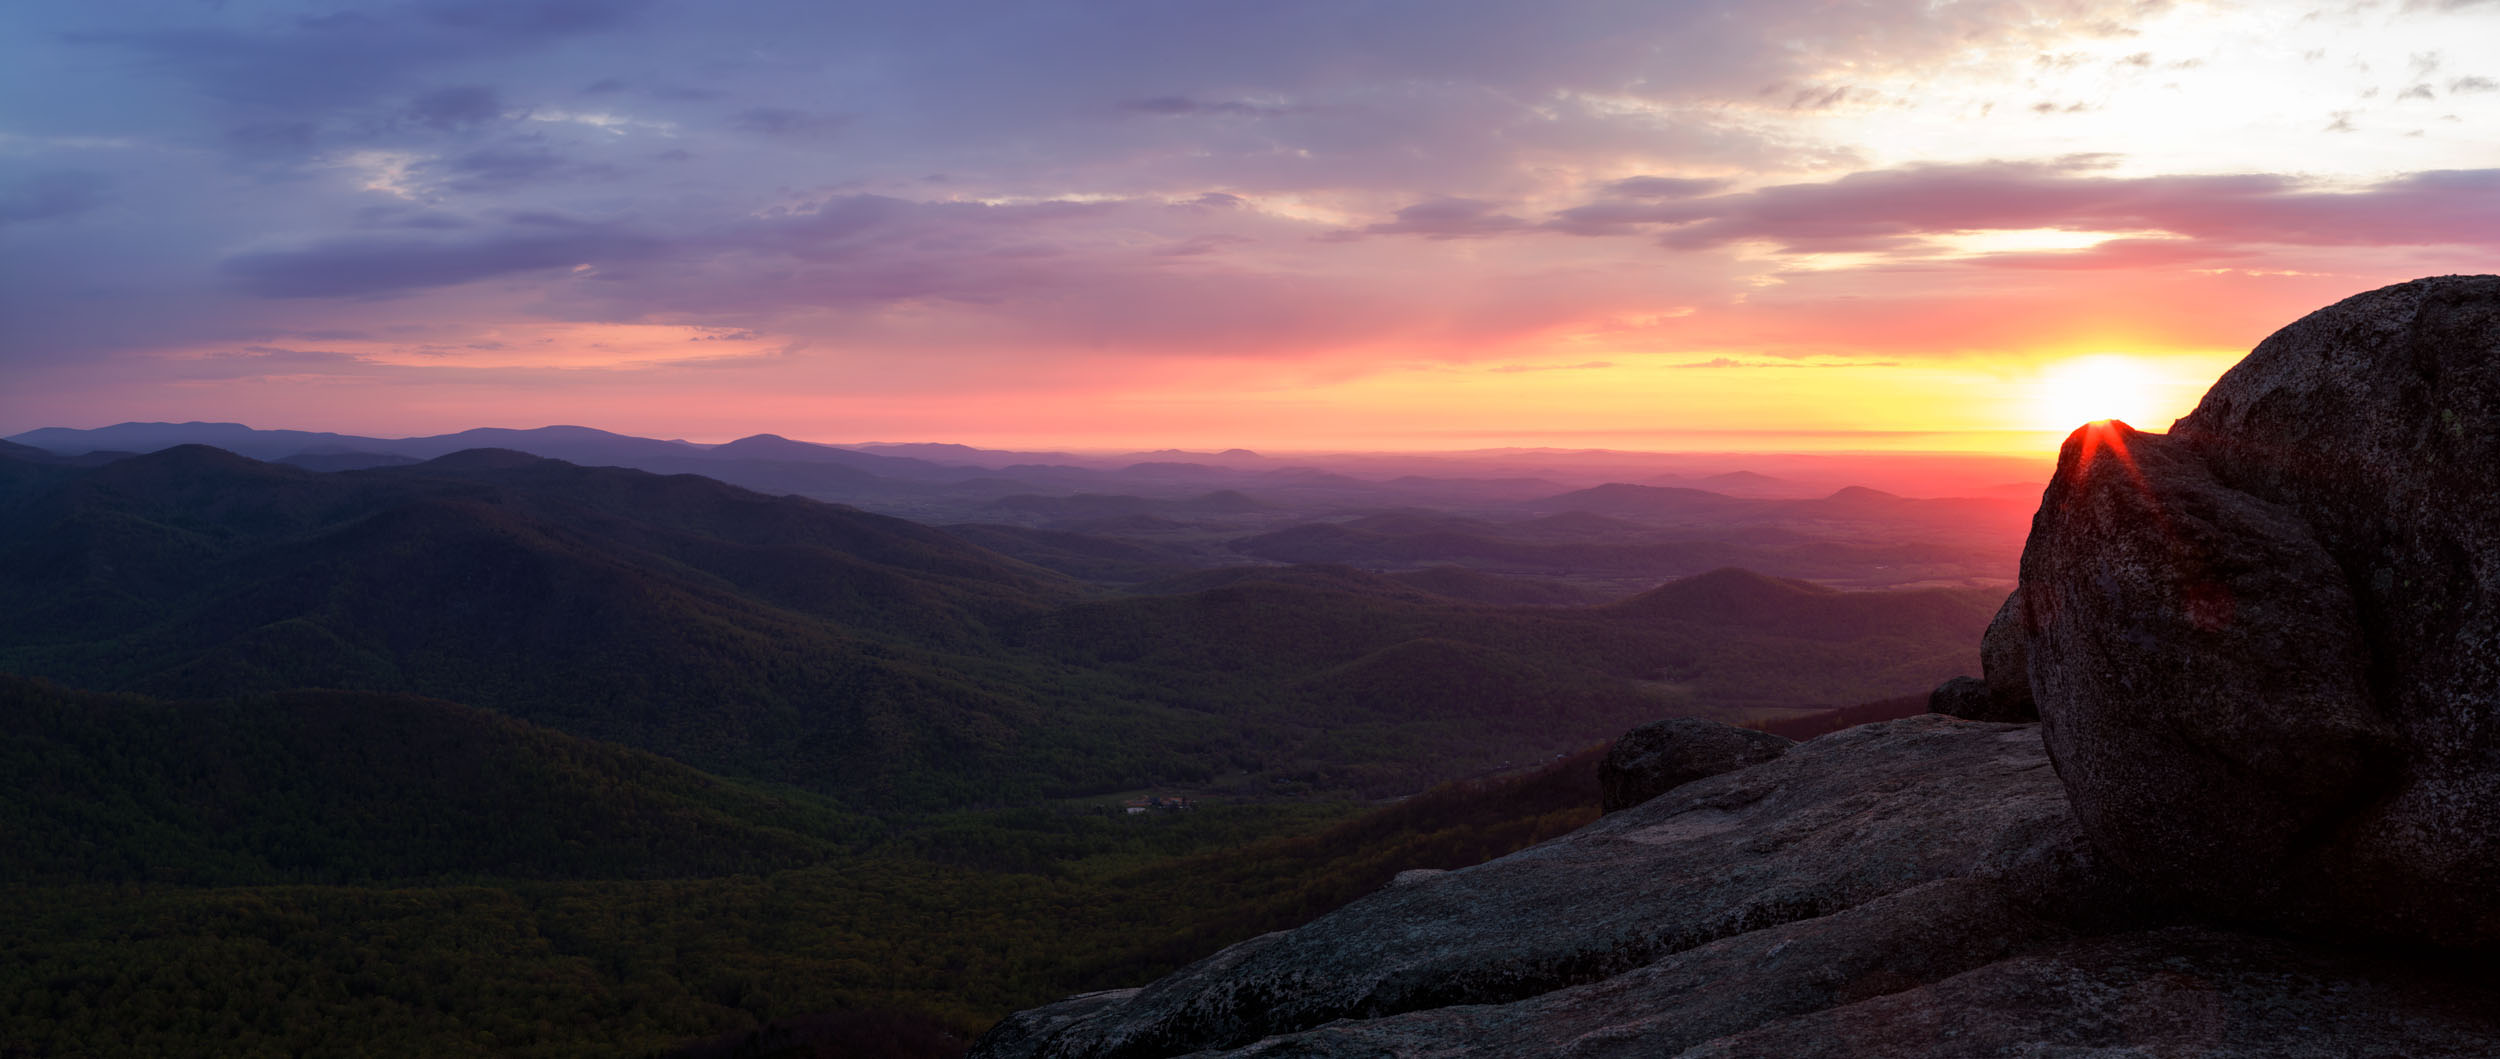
column 859, row 655
column 646, row 755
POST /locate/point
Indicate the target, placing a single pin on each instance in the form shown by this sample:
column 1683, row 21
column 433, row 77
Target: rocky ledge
column 2256, row 816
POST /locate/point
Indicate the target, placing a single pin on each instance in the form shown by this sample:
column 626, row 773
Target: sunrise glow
column 2094, row 388
column 1902, row 225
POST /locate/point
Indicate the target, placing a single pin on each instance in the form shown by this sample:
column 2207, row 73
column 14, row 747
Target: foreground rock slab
column 1835, row 824
column 1915, row 888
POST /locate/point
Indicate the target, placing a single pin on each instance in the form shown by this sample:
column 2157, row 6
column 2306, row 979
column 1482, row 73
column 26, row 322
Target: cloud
column 1893, row 208
column 1593, row 365
column 260, row 362
column 324, row 62
column 511, row 165
column 1179, row 105
column 1449, row 218
column 1201, row 245
column 784, row 122
column 457, row 107
column 1140, row 181
column 358, row 266
column 1758, row 362
column 527, row 19
column 1657, row 187
column 2146, row 254
column 1617, row 218
column 51, row 196
column 405, row 216
column 2464, row 85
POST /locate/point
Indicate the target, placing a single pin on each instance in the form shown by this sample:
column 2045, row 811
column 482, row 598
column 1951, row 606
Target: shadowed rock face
column 2198, row 668
column 2005, row 693
column 1662, row 755
column 2266, row 647
column 2002, row 660
column 2377, row 420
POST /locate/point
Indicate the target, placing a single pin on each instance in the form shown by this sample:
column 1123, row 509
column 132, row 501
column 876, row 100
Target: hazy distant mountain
column 1576, row 524
column 1090, row 557
column 1100, row 505
column 864, row 656
column 1743, row 599
column 1410, row 542
column 1516, row 488
column 14, row 450
column 1234, row 458
column 775, row 449
column 582, row 445
column 345, row 460
column 150, row 437
column 1476, row 586
column 1738, row 483
column 967, row 455
column 1618, row 498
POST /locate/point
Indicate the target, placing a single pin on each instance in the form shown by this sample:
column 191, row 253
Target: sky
column 1289, row 225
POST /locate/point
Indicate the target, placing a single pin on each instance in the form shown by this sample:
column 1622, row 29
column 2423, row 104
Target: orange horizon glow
column 1886, row 228
column 640, row 380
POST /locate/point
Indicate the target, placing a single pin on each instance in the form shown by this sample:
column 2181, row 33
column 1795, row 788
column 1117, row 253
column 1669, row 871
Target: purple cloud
column 362, row 266
column 51, row 196
column 457, row 107
column 1890, row 209
column 785, row 122
column 1449, row 217
column 1657, row 187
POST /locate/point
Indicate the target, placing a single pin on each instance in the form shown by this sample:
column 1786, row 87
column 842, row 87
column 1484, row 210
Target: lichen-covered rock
column 1834, row 824
column 1662, row 755
column 2267, row 646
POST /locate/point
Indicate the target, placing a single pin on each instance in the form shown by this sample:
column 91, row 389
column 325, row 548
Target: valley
column 716, row 756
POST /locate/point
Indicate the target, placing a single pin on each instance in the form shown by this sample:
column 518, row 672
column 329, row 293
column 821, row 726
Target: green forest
column 501, row 755
column 188, row 877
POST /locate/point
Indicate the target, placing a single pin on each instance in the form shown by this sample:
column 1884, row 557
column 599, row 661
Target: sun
column 2102, row 386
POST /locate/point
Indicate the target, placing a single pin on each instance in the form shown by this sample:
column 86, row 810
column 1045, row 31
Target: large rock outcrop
column 1662, row 755
column 2266, row 647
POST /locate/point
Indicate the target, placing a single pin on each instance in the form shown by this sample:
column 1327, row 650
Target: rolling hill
column 878, row 661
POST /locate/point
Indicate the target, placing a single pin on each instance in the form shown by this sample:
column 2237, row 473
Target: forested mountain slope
column 885, row 663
